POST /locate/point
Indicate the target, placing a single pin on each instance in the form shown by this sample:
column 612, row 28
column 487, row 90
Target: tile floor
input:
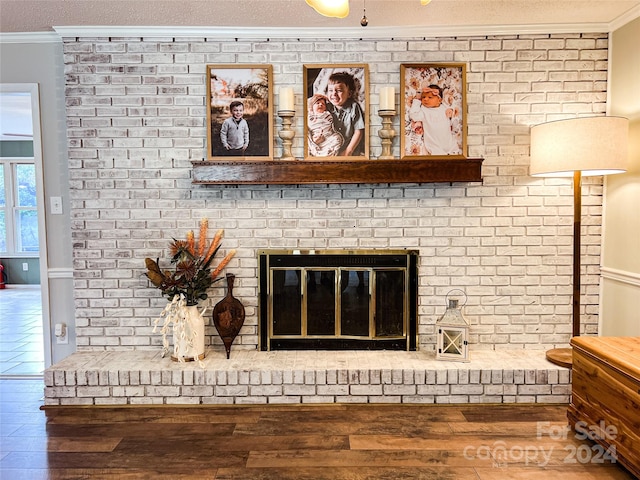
column 21, row 336
column 23, row 431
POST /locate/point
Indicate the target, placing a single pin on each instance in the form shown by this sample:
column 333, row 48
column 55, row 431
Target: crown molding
column 362, row 33
column 249, row 33
column 29, row 37
column 625, row 18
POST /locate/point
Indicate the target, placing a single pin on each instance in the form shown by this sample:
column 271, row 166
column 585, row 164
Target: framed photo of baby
column 239, row 112
column 336, row 112
column 433, row 110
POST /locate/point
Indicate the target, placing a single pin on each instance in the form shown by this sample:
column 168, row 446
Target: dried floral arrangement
column 193, row 273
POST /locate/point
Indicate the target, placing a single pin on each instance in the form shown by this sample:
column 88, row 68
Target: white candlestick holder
column 386, row 133
column 286, row 133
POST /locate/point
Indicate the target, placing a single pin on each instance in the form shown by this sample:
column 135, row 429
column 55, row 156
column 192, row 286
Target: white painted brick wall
column 136, row 118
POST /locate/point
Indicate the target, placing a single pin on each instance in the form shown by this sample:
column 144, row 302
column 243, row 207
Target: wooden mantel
column 292, row 172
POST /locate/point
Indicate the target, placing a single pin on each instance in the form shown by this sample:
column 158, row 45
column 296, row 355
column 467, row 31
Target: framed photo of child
column 336, row 112
column 239, row 112
column 433, row 110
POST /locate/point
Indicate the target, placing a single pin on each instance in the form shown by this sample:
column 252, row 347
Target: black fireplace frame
column 376, row 258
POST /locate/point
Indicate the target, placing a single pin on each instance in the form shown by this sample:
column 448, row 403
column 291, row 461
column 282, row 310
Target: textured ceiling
column 42, row 15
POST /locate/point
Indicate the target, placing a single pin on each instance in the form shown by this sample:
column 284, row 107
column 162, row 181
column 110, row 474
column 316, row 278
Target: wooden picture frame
column 342, row 131
column 433, row 111
column 251, row 138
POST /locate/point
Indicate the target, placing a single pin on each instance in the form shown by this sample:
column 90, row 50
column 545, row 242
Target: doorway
column 25, row 343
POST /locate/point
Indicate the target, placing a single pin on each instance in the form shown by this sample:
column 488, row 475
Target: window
column 18, row 195
column 18, row 207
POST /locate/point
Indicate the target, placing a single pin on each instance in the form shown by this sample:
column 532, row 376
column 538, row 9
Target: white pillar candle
column 387, row 98
column 287, row 99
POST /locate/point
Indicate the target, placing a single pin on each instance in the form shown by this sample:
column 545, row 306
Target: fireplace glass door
column 355, row 303
column 287, row 286
column 312, row 304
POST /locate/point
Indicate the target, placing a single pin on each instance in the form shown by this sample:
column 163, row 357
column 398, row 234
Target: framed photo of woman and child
column 336, row 112
column 433, row 110
column 240, row 112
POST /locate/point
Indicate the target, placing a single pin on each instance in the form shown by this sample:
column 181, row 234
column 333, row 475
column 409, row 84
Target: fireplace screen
column 338, row 300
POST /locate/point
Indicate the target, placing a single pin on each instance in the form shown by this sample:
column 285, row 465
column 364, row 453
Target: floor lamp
column 577, row 148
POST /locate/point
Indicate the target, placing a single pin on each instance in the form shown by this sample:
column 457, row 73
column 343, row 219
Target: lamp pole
column 577, row 216
column 564, row 356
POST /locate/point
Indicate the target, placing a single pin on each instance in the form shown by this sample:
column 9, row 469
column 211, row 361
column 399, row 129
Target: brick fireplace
column 136, row 125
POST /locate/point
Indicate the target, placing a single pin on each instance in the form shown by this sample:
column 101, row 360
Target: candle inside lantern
column 387, row 98
column 287, row 99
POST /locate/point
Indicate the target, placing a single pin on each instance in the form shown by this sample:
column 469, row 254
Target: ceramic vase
column 188, row 335
column 228, row 316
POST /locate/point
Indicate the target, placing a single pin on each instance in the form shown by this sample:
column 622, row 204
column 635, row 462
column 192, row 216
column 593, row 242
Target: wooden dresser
column 606, row 394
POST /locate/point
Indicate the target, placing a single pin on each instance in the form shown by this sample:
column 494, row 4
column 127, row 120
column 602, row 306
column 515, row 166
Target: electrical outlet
column 62, row 337
column 25, row 267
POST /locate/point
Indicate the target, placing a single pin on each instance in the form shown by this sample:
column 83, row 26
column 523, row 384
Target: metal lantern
column 453, row 332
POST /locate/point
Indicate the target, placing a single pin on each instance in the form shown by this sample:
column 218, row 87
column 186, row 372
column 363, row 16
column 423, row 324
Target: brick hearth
column 253, row 377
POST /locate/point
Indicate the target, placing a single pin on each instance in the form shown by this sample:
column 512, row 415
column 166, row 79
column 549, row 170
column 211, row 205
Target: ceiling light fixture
column 339, row 8
column 364, row 22
column 330, row 8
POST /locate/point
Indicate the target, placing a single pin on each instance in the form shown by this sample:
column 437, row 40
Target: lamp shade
column 591, row 145
column 330, row 8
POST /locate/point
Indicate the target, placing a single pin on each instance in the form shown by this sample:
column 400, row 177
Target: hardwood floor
column 301, row 442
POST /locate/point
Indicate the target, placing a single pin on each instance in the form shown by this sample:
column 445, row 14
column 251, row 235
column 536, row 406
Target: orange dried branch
column 225, row 261
column 202, row 236
column 214, row 244
column 191, row 242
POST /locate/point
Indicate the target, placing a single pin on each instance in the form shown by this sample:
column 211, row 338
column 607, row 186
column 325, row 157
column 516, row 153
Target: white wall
column 621, row 256
column 136, row 117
